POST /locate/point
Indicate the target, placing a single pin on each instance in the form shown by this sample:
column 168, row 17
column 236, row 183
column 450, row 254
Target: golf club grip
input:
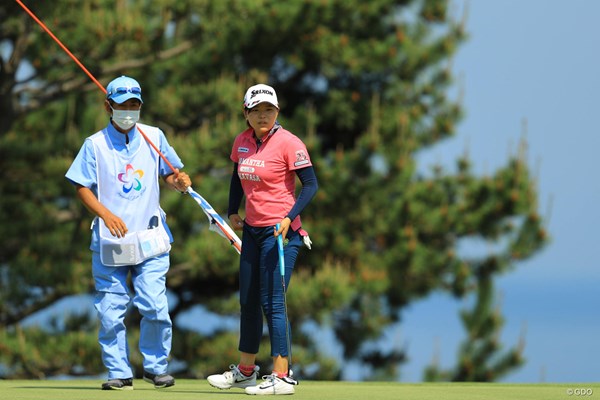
column 280, row 249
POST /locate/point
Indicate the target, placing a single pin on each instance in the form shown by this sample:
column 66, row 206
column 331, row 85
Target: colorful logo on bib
column 131, row 179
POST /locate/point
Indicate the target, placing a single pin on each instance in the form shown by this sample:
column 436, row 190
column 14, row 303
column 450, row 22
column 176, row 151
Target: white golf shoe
column 233, row 378
column 273, row 385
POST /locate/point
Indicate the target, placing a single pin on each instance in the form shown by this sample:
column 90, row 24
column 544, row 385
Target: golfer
column 266, row 161
column 116, row 176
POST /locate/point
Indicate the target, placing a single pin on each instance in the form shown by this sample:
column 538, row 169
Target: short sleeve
column 296, row 154
column 234, row 150
column 83, row 169
column 170, row 154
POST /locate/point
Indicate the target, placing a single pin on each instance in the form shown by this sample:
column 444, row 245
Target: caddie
column 116, row 176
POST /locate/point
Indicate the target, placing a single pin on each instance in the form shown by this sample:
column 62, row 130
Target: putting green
column 307, row 390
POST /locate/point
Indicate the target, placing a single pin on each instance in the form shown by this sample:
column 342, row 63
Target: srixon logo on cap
column 261, row 91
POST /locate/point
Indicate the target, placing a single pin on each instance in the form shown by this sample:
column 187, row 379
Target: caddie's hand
column 181, row 181
column 237, row 223
column 284, row 226
column 115, row 225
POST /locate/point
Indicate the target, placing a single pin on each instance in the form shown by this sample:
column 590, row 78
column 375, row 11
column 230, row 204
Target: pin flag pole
column 214, row 218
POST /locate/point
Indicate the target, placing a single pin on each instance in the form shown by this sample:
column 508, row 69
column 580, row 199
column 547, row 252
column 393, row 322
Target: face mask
column 125, row 119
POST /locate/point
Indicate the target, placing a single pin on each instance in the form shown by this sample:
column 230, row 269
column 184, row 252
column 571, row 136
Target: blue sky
column 531, row 69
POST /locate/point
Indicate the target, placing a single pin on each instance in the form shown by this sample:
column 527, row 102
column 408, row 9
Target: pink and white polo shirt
column 267, row 174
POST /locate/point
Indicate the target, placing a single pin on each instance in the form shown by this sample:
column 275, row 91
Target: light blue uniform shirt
column 83, row 169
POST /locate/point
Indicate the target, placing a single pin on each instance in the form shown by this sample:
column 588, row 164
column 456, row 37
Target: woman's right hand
column 236, row 222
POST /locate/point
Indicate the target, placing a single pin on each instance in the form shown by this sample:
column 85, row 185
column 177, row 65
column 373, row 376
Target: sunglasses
column 123, row 90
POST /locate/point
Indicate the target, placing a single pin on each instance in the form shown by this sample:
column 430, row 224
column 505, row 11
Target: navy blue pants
column 261, row 289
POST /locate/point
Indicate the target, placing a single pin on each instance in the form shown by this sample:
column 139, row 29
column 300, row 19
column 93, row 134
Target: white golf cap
column 260, row 93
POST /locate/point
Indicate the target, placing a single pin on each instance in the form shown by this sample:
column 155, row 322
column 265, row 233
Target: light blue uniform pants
column 149, row 297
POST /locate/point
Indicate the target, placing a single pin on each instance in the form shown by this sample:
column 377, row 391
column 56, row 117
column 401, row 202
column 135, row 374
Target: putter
column 282, row 272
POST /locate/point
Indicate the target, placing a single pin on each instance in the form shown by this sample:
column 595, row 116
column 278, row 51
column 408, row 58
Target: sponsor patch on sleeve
column 243, row 149
column 301, row 158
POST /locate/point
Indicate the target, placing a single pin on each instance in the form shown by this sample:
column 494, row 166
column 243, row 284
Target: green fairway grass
column 187, row 389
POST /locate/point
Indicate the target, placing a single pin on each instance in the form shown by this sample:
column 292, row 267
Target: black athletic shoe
column 159, row 381
column 118, row 384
